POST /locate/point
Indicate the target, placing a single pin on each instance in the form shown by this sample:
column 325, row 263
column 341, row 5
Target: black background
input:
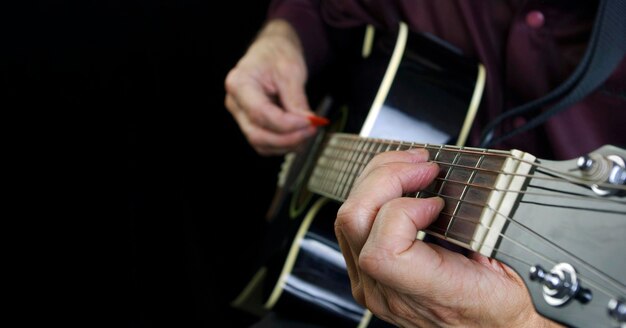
column 134, row 91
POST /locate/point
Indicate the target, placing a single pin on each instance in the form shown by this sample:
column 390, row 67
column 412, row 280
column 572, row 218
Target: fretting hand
column 412, row 283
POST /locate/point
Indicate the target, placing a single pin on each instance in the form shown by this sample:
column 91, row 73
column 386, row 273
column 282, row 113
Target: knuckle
column 255, row 139
column 256, row 116
column 346, row 216
column 394, row 207
column 358, row 294
column 383, row 157
column 369, row 261
column 262, row 151
column 231, row 81
column 288, row 67
column 399, row 308
column 374, row 304
column 229, row 103
column 385, row 170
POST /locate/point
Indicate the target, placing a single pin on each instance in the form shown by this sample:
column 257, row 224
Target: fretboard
column 479, row 186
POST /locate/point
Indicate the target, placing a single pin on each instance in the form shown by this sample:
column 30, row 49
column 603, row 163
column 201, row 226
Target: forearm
column 306, row 20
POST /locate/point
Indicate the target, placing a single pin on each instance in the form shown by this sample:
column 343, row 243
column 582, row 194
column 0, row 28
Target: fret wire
column 526, row 248
column 592, row 197
column 526, row 229
column 602, row 276
column 505, row 154
column 463, row 193
column 531, row 232
column 336, row 152
column 341, row 160
column 534, row 176
column 345, row 168
column 331, row 181
column 478, row 151
column 448, row 172
column 556, row 193
column 361, row 163
column 356, row 157
column 320, row 172
column 564, row 179
column 459, row 217
column 355, row 165
column 332, row 162
column 417, row 195
column 510, row 219
column 329, row 172
column 465, row 166
column 438, row 152
column 388, row 146
column 334, row 168
column 356, row 168
column 532, row 252
column 345, row 158
column 326, row 173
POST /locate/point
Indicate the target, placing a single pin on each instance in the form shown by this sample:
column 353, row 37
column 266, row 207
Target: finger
column 263, row 112
column 392, row 252
column 352, row 266
column 291, row 90
column 269, row 143
column 383, row 183
column 415, row 155
column 365, row 290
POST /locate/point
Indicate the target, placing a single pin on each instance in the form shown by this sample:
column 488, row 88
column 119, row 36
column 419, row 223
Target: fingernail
column 419, row 151
column 318, row 120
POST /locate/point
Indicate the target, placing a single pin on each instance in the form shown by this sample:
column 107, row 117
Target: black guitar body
column 427, row 98
column 317, row 288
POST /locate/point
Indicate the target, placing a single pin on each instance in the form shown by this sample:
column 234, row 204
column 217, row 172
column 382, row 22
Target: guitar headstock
column 565, row 238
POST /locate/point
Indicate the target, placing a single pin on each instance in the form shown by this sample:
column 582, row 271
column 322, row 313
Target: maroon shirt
column 527, row 46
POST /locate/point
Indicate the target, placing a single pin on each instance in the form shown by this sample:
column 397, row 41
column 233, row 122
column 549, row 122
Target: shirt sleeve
column 306, row 18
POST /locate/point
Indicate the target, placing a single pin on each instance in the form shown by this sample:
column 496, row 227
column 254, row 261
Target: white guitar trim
column 473, row 107
column 293, row 253
column 385, row 85
column 390, row 74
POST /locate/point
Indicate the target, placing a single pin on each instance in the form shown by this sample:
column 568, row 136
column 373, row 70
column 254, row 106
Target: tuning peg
column 560, row 284
column 617, row 310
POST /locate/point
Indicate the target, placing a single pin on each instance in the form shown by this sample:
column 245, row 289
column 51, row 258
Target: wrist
column 536, row 320
column 279, row 28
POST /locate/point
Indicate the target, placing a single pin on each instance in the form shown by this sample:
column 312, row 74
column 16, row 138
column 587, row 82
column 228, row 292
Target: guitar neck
column 479, row 186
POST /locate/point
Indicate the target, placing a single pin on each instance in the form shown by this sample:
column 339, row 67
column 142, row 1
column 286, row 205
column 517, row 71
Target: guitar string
column 400, row 144
column 536, row 165
column 587, row 280
column 561, row 195
column 606, row 279
column 565, row 195
column 479, row 152
column 557, row 247
column 603, row 276
column 561, row 180
column 519, row 224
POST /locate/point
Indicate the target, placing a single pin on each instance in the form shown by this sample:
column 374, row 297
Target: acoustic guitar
column 559, row 224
